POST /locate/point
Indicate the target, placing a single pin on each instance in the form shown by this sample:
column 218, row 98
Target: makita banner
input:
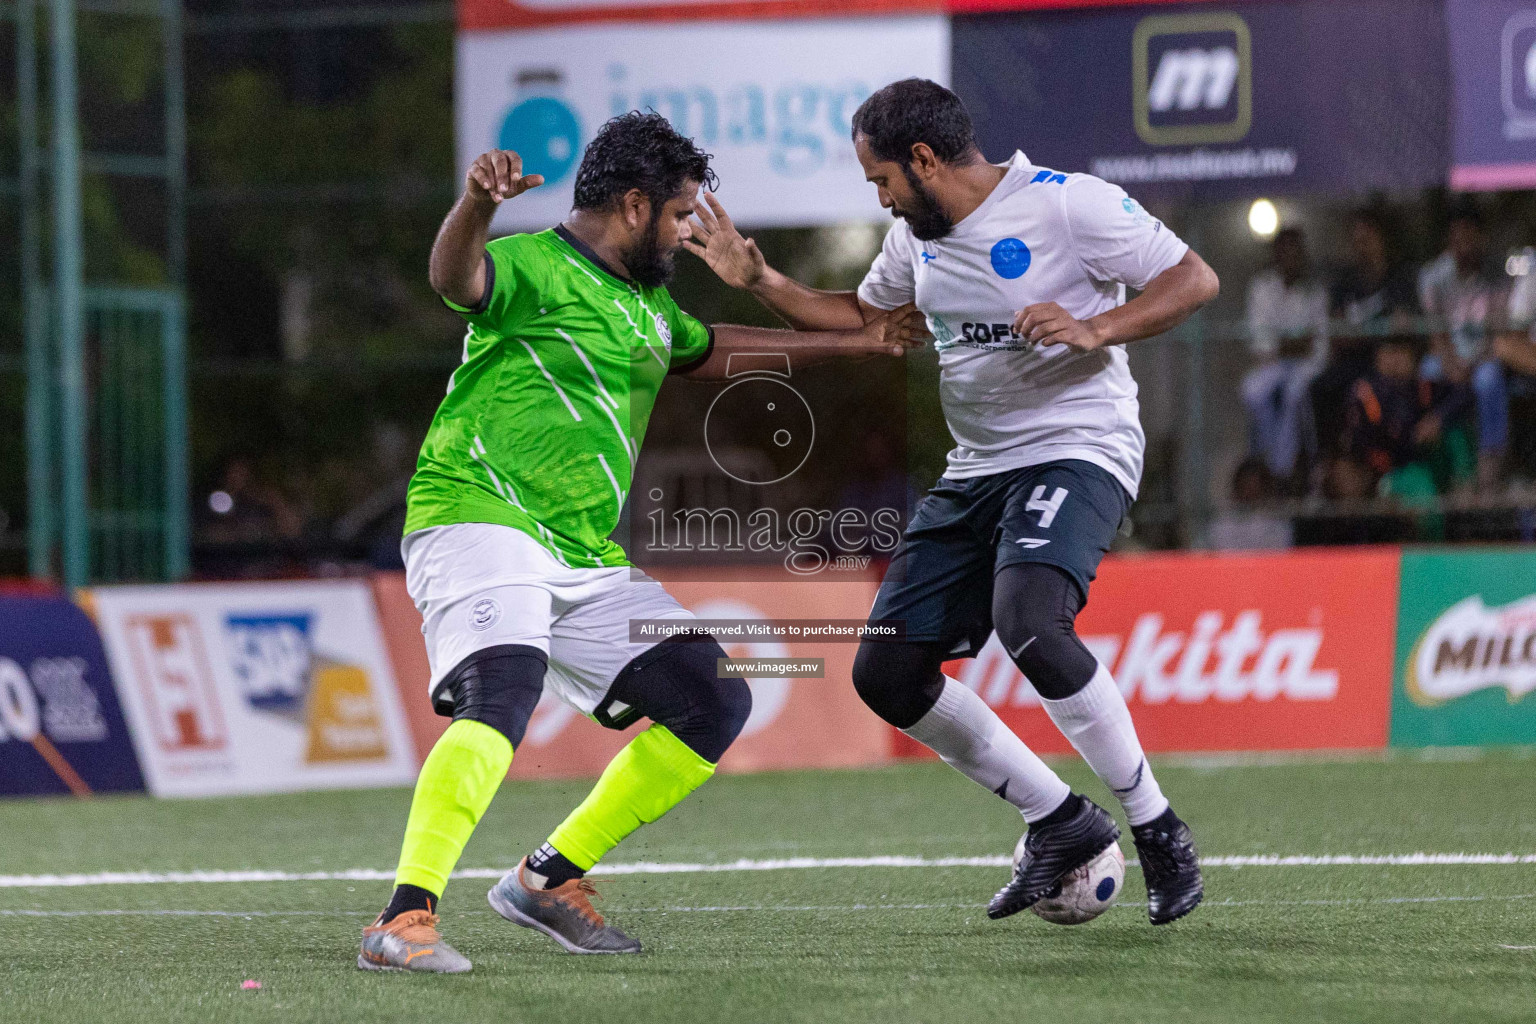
column 1227, row 652
column 1215, row 100
column 256, row 687
column 1466, row 649
column 61, row 730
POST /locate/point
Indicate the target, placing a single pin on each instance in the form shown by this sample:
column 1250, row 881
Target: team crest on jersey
column 663, row 330
column 484, row 614
column 1010, row 258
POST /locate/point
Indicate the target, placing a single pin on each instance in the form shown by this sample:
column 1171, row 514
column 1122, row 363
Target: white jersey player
column 1022, row 273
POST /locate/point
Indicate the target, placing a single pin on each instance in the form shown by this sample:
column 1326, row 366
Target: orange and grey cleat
column 409, row 942
column 564, row 913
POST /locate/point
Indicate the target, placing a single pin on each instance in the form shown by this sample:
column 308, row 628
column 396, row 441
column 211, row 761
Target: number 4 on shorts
column 1047, row 509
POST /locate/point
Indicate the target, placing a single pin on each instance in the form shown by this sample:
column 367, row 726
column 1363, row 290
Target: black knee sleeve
column 677, row 684
column 499, row 686
column 1034, row 609
column 900, row 682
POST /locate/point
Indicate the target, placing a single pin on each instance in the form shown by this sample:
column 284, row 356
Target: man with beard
column 507, row 552
column 1022, row 273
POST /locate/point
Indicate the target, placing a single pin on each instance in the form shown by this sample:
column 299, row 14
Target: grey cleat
column 410, row 942
column 564, row 913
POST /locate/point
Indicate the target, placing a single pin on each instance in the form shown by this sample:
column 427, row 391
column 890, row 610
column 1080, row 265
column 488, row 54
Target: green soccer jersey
column 543, row 421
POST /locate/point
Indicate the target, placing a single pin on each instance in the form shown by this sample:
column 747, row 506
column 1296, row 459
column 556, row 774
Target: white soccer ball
column 1083, row 894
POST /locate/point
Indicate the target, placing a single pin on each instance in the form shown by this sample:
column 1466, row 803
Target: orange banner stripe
column 61, row 767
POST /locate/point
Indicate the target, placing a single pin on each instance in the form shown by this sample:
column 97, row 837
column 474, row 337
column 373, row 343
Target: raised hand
column 734, row 258
column 498, row 175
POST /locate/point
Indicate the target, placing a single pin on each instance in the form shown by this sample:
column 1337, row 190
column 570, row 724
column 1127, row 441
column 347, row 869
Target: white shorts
column 480, row 585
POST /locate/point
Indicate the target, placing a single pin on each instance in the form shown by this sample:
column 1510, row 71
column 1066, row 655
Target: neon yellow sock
column 461, row 774
column 646, row 780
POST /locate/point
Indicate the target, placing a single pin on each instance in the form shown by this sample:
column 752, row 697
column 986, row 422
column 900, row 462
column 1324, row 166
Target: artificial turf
column 1344, row 943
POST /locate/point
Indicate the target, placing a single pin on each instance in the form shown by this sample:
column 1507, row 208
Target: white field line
column 186, row 913
column 777, row 864
column 776, row 908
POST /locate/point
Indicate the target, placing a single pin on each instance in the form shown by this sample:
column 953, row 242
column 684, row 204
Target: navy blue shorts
column 939, row 582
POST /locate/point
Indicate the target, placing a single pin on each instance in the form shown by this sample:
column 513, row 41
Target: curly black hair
column 643, row 151
column 914, row 110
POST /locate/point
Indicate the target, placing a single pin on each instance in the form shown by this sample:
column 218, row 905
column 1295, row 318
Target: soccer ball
column 1083, row 894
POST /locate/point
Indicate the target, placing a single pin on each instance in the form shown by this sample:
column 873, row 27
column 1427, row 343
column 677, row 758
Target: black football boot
column 1050, row 853
column 1170, row 864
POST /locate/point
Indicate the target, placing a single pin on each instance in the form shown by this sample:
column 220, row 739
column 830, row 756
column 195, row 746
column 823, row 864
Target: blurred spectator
column 1516, row 352
column 1247, row 526
column 1288, row 333
column 245, row 510
column 1409, row 431
column 1348, row 484
column 1347, row 479
column 1468, row 299
column 1373, row 295
column 374, row 525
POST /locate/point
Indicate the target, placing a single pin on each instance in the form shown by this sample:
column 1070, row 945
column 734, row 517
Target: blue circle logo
column 1105, row 890
column 1010, row 258
column 543, row 131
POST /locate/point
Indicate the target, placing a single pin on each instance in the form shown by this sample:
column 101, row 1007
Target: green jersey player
column 520, row 482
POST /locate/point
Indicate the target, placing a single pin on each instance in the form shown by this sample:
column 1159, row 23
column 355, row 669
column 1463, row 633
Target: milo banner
column 256, row 687
column 1466, row 649
column 61, row 730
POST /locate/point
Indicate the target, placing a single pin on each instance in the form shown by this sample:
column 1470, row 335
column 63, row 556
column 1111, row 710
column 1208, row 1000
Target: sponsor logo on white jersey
column 1472, row 647
column 1214, row 660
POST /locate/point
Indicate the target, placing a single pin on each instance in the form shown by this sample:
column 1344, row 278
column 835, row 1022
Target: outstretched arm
column 740, row 265
column 890, row 333
column 457, row 268
column 1168, row 300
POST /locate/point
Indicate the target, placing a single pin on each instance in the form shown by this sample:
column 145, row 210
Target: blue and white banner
column 256, row 687
column 772, row 101
column 61, row 729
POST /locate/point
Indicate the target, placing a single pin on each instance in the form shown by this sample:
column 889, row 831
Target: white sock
column 970, row 738
column 1099, row 725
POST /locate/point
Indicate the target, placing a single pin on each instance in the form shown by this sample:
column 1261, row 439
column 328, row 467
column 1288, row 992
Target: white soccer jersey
column 1040, row 236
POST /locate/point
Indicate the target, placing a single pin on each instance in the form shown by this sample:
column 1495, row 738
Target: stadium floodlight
column 1263, row 219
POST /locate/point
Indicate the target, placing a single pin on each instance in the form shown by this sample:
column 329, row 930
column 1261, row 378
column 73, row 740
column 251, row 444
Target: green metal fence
column 137, row 493
column 132, row 455
column 106, row 419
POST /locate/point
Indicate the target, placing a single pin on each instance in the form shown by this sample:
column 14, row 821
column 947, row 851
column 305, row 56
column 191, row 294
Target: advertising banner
column 1217, row 652
column 256, row 687
column 795, row 723
column 772, row 101
column 1219, row 99
column 491, row 14
column 1493, row 84
column 61, row 730
column 1466, row 649
column 483, row 14
column 968, row 6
